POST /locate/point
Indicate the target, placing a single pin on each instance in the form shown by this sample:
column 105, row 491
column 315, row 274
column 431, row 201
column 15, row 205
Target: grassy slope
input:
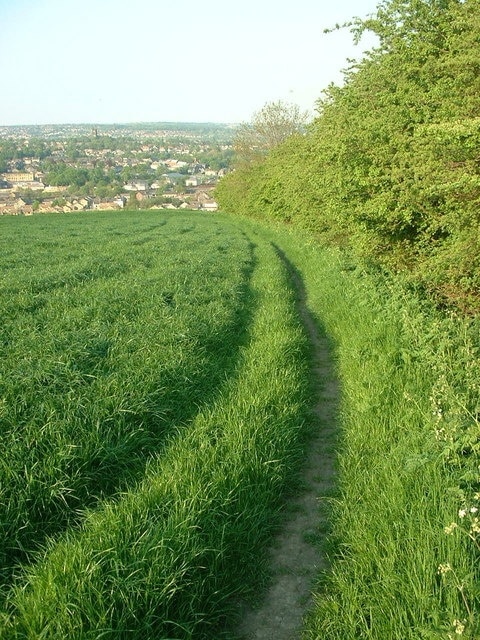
column 164, row 559
column 408, row 459
column 115, row 329
column 179, row 543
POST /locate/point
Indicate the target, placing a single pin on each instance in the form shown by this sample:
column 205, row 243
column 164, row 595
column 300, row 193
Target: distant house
column 34, row 185
column 210, row 205
column 79, row 204
column 156, row 165
column 85, row 203
column 136, row 185
column 171, row 163
column 120, row 202
column 192, row 182
column 173, row 177
column 55, row 189
column 109, row 204
column 104, row 205
column 19, row 176
column 197, row 168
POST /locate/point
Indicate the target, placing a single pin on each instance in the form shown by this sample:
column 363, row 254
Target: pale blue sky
column 106, row 61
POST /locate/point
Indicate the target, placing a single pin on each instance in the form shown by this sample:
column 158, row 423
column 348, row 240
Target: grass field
column 114, row 332
column 154, row 408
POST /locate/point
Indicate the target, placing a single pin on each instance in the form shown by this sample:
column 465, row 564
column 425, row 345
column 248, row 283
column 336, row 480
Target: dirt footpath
column 295, row 558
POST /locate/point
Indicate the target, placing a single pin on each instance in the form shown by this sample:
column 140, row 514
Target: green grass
column 408, row 458
column 166, row 556
column 155, row 395
column 115, row 330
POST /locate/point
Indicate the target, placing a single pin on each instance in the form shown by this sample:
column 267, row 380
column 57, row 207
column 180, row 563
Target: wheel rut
column 296, row 555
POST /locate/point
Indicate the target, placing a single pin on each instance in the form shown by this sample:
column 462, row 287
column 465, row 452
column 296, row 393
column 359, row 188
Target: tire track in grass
column 167, row 558
column 297, row 554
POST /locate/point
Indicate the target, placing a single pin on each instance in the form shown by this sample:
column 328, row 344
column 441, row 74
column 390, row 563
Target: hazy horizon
column 117, row 62
column 94, row 124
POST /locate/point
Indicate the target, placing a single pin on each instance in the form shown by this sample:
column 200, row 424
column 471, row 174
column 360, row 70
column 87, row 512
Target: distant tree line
column 11, row 151
column 390, row 167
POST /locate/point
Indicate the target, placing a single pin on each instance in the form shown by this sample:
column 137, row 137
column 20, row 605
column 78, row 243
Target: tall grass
column 406, row 520
column 115, row 329
column 210, row 407
column 167, row 558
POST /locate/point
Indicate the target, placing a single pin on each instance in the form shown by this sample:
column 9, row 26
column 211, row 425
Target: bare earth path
column 295, row 559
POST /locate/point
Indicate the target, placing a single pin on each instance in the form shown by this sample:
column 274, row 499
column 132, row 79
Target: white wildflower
column 444, row 568
column 450, row 528
column 475, row 526
column 459, row 627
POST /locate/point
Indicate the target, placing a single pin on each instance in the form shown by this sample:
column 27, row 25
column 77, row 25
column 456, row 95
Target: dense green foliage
column 390, row 167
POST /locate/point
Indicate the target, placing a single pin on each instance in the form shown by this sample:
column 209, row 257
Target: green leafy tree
column 269, row 127
column 391, row 164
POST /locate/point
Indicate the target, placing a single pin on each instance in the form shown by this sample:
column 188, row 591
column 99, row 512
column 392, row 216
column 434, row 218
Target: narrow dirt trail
column 295, row 558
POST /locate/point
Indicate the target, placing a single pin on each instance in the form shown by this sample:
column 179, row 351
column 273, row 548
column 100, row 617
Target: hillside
column 165, row 376
column 387, row 179
column 390, row 167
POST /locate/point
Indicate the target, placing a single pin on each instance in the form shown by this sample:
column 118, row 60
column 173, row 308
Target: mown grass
column 406, row 527
column 168, row 557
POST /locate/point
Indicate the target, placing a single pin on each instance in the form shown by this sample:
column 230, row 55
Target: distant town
column 64, row 168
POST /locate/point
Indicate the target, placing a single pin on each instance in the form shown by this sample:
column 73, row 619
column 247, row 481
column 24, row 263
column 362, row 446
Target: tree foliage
column 391, row 164
column 269, row 127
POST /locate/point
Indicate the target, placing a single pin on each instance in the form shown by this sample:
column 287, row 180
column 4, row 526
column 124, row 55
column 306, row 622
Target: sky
column 120, row 61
